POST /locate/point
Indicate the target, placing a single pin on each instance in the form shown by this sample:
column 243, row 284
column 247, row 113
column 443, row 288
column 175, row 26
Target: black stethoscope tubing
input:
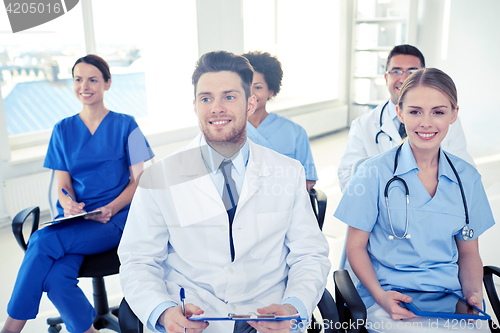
column 380, row 124
column 466, row 231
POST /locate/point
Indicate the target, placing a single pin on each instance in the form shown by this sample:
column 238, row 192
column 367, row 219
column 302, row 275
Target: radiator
column 23, row 192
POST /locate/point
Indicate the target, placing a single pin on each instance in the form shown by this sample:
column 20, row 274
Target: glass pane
column 121, row 44
column 35, row 71
column 308, row 50
column 370, row 63
column 368, row 9
column 383, row 34
column 151, row 62
column 370, row 91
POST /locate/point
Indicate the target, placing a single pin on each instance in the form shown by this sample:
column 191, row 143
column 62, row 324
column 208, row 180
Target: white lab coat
column 361, row 141
column 177, row 235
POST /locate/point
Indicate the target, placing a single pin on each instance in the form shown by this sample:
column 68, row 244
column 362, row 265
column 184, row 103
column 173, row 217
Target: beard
column 236, row 134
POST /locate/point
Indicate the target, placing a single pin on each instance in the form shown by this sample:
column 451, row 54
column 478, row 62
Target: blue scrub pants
column 51, row 264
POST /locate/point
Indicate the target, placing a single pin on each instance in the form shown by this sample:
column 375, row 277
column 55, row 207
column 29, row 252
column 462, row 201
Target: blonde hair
column 432, row 78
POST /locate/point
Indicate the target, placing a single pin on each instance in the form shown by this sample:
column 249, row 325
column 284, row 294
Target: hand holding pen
column 182, row 296
column 175, row 318
column 72, row 209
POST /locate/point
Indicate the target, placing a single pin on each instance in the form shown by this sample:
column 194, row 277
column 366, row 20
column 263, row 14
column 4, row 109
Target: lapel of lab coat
column 197, row 189
column 389, row 128
column 257, row 170
column 193, row 193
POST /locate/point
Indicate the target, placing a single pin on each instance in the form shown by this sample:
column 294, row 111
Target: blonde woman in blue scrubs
column 429, row 252
column 96, row 154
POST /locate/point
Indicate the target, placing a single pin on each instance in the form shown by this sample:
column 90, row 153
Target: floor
column 327, row 151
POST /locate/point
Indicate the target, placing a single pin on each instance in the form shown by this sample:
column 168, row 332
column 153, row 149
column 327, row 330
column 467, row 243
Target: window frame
column 41, row 138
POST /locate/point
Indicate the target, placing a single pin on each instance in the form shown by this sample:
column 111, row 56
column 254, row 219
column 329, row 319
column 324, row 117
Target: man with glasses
column 380, row 129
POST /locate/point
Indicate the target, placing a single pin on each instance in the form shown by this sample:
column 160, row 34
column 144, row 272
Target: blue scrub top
column 428, row 260
column 98, row 163
column 285, row 137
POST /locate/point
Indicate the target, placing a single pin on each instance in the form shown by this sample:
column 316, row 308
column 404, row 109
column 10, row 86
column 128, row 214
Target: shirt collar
column 392, row 110
column 445, row 168
column 213, row 159
column 406, row 163
column 406, row 160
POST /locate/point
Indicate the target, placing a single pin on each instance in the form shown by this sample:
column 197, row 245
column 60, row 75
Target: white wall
column 472, row 60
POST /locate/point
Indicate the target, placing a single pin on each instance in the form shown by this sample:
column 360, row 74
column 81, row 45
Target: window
column 305, row 36
column 35, row 72
column 152, row 51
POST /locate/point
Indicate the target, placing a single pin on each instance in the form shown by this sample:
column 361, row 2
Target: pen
column 182, row 295
column 69, row 196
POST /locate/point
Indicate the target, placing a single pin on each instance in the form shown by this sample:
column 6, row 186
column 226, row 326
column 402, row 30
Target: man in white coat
column 380, row 129
column 263, row 253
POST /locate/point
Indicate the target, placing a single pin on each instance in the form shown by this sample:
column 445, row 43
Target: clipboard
column 441, row 304
column 70, row 217
column 250, row 317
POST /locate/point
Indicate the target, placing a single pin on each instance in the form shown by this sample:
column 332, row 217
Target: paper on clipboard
column 250, row 317
column 71, row 217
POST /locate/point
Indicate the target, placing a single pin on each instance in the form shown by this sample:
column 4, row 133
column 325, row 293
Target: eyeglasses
column 399, row 72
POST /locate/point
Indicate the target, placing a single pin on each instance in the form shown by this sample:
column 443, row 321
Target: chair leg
column 115, row 310
column 54, row 324
column 107, row 321
column 100, row 296
column 104, row 318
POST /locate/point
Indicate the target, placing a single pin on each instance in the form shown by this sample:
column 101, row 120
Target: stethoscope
column 466, row 231
column 380, row 122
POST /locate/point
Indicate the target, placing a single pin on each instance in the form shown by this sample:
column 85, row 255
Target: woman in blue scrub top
column 429, row 252
column 96, row 154
column 269, row 129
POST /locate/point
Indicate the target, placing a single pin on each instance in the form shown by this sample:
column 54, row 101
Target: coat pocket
column 271, row 232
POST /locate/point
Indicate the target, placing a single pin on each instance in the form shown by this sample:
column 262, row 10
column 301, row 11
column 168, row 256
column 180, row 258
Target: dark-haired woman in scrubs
column 96, row 154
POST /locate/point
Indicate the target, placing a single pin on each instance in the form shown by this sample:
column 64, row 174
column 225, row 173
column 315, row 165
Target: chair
column 318, row 202
column 344, row 264
column 129, row 323
column 351, row 308
column 95, row 266
column 488, row 272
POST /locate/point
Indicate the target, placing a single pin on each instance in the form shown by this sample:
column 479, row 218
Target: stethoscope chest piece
column 467, row 232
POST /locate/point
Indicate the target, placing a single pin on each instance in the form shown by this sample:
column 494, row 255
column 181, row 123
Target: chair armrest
column 18, row 222
column 490, row 288
column 347, row 296
column 321, row 197
column 328, row 311
column 129, row 323
column 318, row 201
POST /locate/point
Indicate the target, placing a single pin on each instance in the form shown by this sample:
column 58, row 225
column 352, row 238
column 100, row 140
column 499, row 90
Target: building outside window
column 35, row 71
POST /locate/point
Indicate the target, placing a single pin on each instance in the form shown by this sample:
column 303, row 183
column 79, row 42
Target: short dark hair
column 218, row 61
column 405, row 49
column 432, row 78
column 96, row 61
column 269, row 66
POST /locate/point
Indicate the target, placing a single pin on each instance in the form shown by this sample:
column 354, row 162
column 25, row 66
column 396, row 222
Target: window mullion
column 88, row 27
column 4, row 135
